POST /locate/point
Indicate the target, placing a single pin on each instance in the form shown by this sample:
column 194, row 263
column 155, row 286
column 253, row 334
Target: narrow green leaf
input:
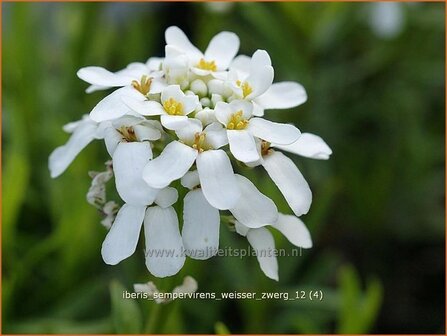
column 126, row 314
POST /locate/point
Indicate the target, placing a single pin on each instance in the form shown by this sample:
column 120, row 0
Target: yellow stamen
column 128, row 133
column 246, row 88
column 200, row 142
column 173, row 107
column 237, row 121
column 207, row 65
column 144, row 85
column 265, row 148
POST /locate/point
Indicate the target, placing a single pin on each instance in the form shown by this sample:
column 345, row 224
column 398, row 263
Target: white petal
column 260, row 81
column 259, row 59
column 73, row 125
column 217, row 179
column 176, row 37
column 62, row 156
column 241, row 64
column 273, row 132
column 254, row 209
column 282, row 95
column 164, row 244
column 223, row 112
column 201, row 72
column 112, row 106
column 122, row 239
column 146, row 133
column 172, row 91
column 187, row 133
column 143, row 106
column 216, row 135
column 242, row 145
column 129, row 160
column 222, row 49
column 294, row 230
column 206, row 116
column 241, row 228
column 99, row 76
column 93, row 88
column 258, row 110
column 174, row 122
column 290, row 182
column 127, row 121
column 166, row 197
column 191, row 179
column 157, row 85
column 200, row 227
column 244, row 106
column 170, row 165
column 308, row 145
column 154, row 63
column 190, row 103
column 112, row 138
column 262, row 242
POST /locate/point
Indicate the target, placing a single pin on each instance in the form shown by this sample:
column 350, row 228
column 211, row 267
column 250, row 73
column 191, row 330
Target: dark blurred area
column 374, row 74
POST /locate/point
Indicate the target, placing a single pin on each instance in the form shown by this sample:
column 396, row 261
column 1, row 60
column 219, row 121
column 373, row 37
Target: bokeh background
column 374, row 74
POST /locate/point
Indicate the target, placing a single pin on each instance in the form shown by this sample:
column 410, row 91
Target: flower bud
column 216, row 86
column 215, row 98
column 206, row 102
column 199, row 87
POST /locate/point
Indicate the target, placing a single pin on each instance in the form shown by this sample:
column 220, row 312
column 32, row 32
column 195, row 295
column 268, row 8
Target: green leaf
column 126, row 314
column 357, row 310
column 16, row 178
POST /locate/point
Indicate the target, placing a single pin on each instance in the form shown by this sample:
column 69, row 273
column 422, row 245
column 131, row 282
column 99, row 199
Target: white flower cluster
column 171, row 119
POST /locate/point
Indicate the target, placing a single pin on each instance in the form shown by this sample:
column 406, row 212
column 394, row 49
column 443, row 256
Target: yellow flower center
column 205, row 65
column 173, row 107
column 144, row 85
column 246, row 88
column 127, row 133
column 200, row 142
column 237, row 121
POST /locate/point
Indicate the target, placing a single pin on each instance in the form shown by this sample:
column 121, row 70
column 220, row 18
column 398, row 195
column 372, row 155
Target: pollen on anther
column 207, row 65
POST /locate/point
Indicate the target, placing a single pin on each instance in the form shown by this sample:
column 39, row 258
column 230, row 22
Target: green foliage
column 357, row 310
column 126, row 314
column 378, row 202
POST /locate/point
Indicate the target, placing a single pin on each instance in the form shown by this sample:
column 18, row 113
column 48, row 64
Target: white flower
column 138, row 82
column 189, row 285
column 201, row 221
column 202, row 147
column 162, row 236
column 130, row 129
column 83, row 132
column 308, row 145
column 254, row 208
column 218, row 55
column 129, row 159
column 263, row 243
column 172, row 118
column 102, row 79
column 173, row 109
column 253, row 79
column 286, row 175
column 282, row 95
column 242, row 130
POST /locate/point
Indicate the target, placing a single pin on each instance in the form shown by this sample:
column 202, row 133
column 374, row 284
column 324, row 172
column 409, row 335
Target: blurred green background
column 375, row 80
